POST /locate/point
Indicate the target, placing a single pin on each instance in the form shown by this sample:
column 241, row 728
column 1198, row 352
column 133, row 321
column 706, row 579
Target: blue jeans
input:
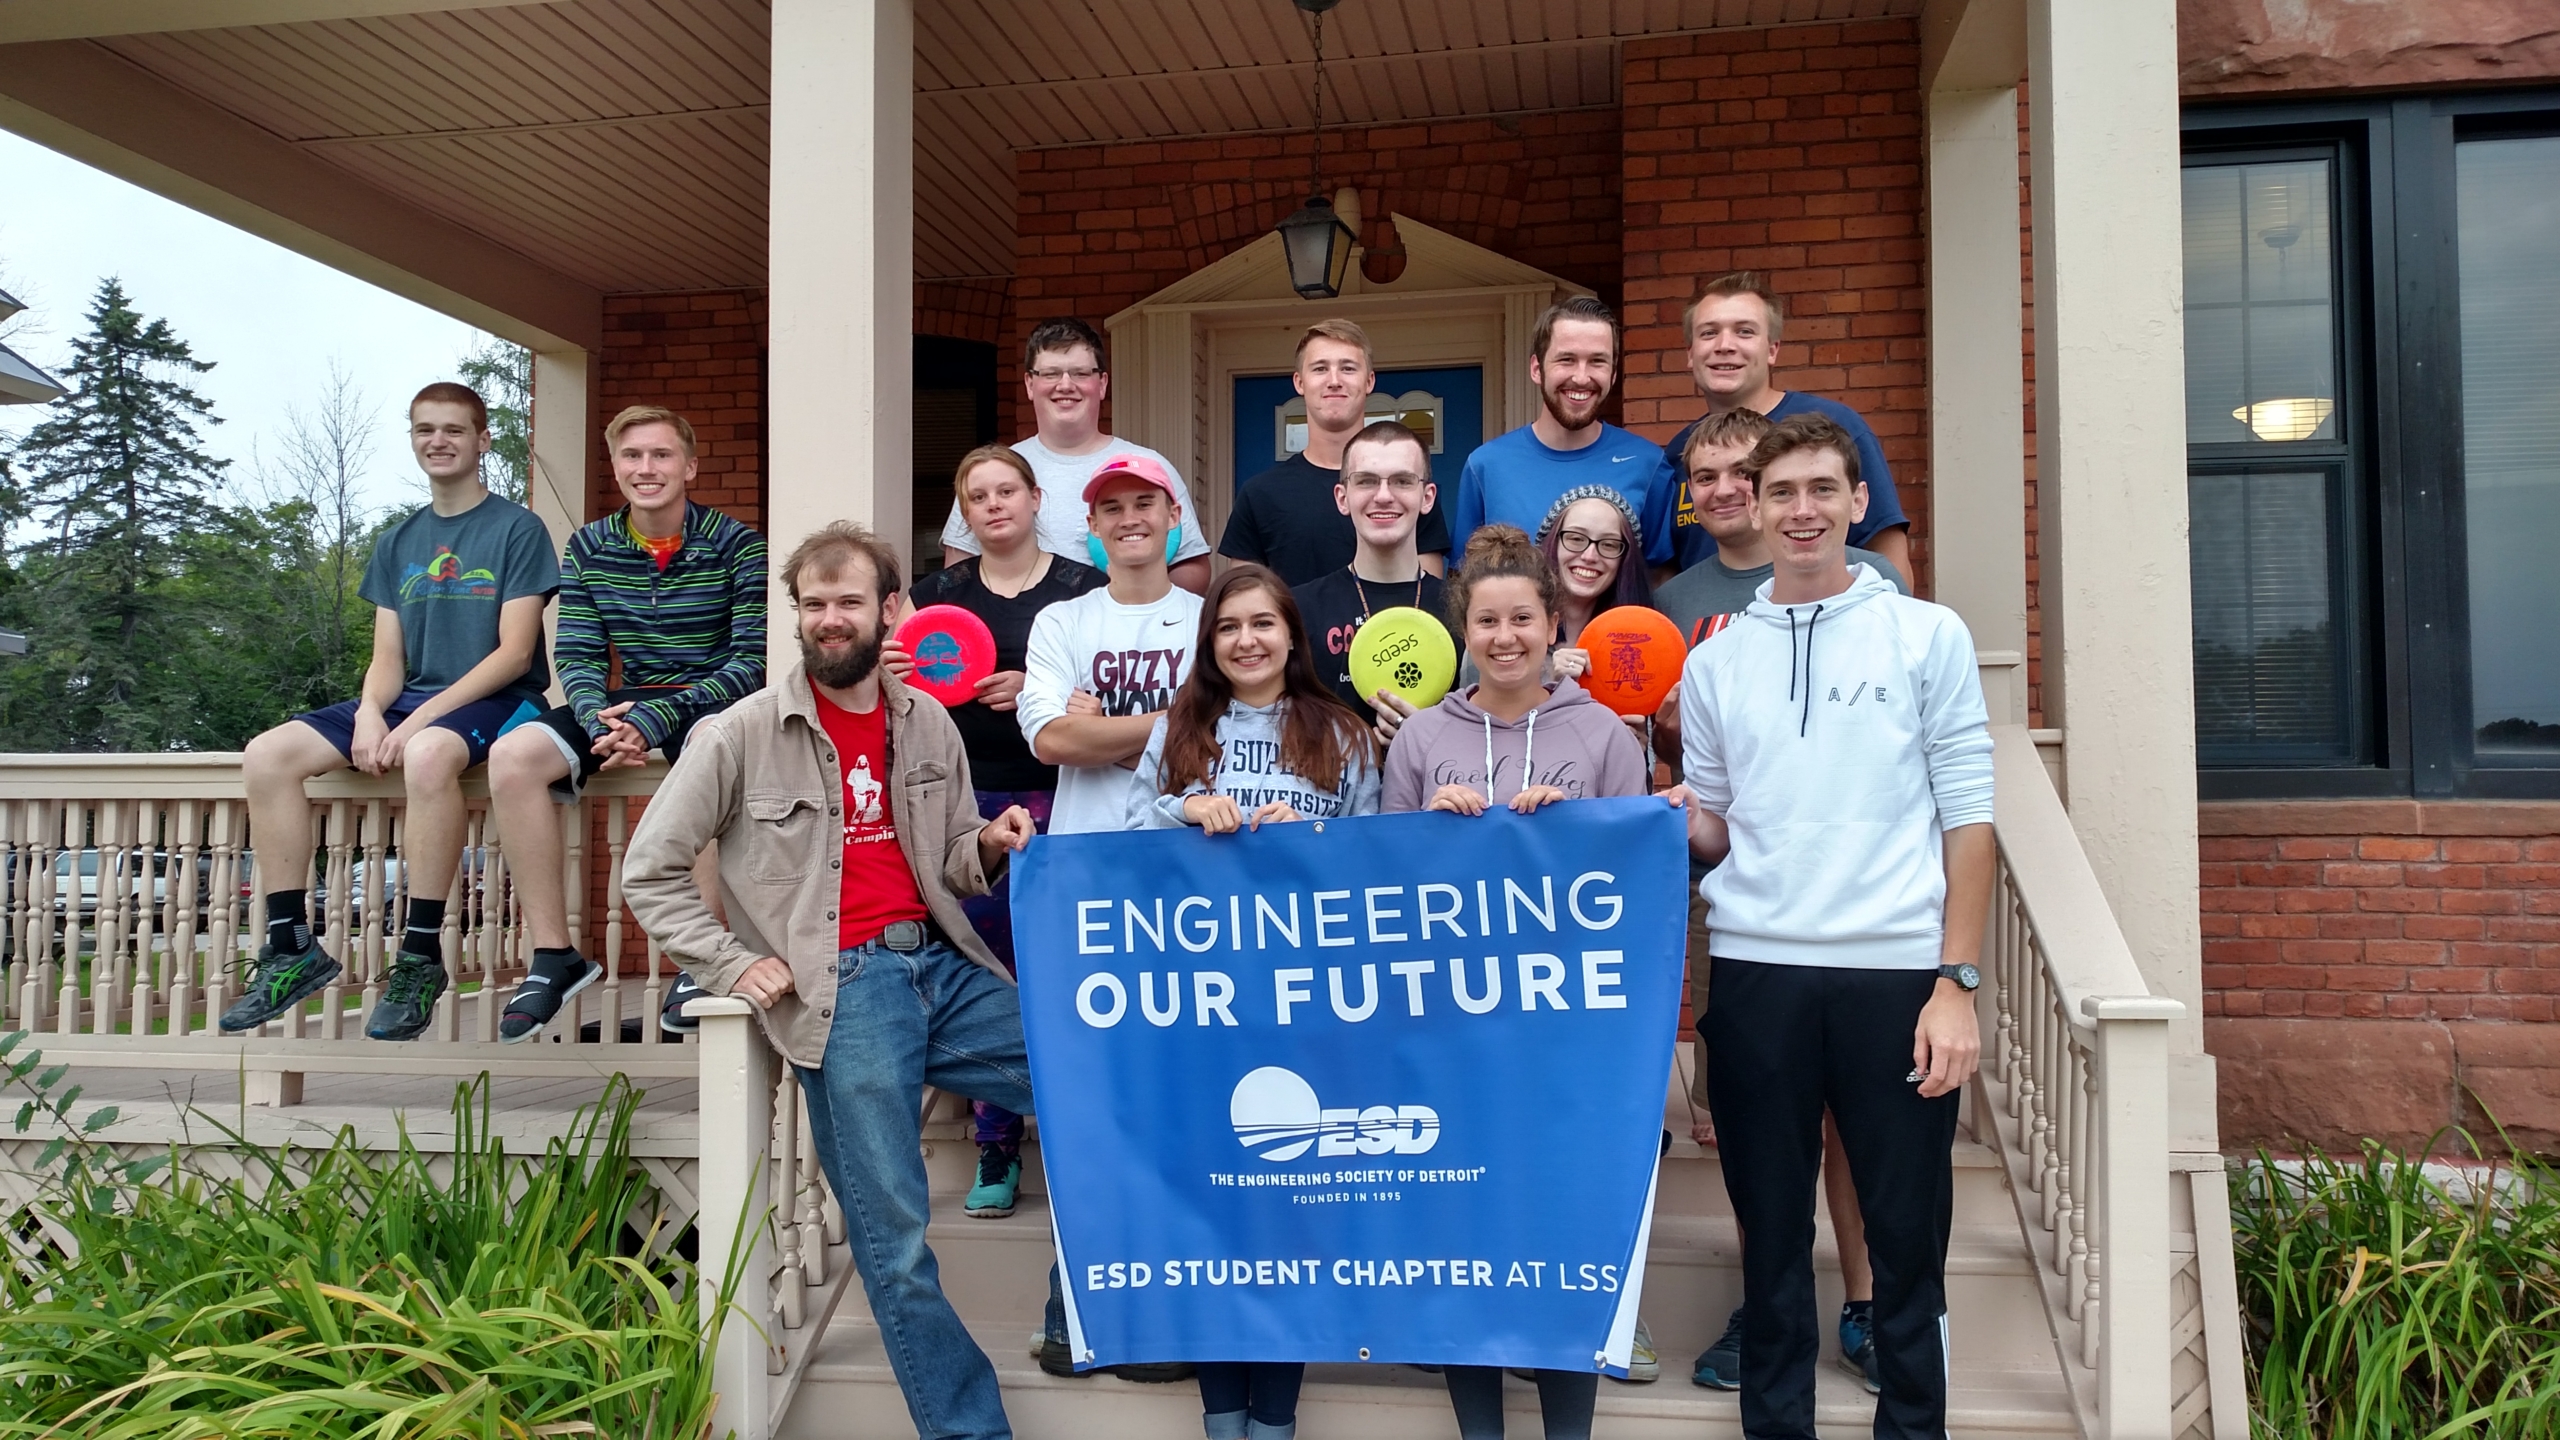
column 904, row 1021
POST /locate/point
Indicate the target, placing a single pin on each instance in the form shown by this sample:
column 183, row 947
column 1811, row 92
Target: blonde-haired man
column 676, row 590
column 1286, row 517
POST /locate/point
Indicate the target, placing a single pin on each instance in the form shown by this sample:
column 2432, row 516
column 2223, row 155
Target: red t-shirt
column 879, row 890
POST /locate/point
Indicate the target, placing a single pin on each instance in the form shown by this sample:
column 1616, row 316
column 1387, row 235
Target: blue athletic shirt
column 1514, row 479
column 1884, row 508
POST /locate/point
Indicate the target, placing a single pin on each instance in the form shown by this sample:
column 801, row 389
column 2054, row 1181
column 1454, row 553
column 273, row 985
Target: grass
column 2385, row 1300
column 354, row 1294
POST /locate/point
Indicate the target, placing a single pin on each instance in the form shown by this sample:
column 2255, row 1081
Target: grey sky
column 269, row 319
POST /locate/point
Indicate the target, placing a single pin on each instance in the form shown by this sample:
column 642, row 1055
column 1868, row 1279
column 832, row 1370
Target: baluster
column 227, row 817
column 790, row 1290
column 496, row 956
column 812, row 1191
column 107, row 940
column 377, row 960
column 19, row 857
column 653, row 995
column 2031, row 1122
column 573, row 893
column 2054, row 1112
column 2092, row 1324
column 158, row 864
column 195, row 873
column 75, row 838
column 2077, row 1185
column 456, row 933
column 617, row 828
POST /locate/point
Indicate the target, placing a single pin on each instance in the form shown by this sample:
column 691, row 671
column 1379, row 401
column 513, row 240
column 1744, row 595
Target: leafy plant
column 2388, row 1302
column 344, row 1293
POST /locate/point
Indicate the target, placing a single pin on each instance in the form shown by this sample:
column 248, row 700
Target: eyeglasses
column 1401, row 481
column 1054, row 375
column 1574, row 542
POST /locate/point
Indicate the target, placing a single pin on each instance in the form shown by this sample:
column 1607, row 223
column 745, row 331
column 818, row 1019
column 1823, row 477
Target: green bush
column 354, row 1295
column 2386, row 1303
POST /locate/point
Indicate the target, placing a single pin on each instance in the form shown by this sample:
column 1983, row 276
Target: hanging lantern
column 1319, row 248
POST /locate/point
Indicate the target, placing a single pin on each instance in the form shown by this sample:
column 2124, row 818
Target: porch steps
column 2007, row 1379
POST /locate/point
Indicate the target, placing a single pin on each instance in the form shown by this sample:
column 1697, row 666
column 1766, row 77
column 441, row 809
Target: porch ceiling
column 623, row 143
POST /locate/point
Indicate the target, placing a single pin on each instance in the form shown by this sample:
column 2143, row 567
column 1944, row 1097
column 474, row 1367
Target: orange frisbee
column 1636, row 656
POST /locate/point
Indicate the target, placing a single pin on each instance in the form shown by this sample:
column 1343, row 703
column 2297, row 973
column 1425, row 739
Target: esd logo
column 1277, row 1116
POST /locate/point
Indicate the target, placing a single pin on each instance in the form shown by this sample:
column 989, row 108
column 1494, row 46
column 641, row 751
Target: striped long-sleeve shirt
column 699, row 623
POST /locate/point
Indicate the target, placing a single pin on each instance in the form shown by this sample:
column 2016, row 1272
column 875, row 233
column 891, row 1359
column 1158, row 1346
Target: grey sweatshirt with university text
column 1571, row 742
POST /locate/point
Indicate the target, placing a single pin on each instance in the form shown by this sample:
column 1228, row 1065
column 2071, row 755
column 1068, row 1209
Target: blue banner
column 1385, row 1089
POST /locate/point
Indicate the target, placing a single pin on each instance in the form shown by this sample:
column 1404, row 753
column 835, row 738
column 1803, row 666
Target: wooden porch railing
column 129, row 900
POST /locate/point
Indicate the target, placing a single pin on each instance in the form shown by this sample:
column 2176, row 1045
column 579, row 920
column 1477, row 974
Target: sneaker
column 1721, row 1367
column 1643, row 1365
column 542, row 994
column 276, row 983
column 1858, row 1347
column 999, row 1179
column 672, row 1019
column 408, row 999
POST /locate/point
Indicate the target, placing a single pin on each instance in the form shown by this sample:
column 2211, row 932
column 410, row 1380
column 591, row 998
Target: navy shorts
column 479, row 723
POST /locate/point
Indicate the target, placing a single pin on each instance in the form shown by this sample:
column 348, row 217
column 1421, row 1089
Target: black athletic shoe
column 408, row 999
column 276, row 983
column 542, row 994
column 1054, row 1360
column 672, row 1019
column 1721, row 1367
column 1157, row 1372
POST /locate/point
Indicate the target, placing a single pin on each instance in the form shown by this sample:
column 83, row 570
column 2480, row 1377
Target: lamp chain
column 1316, row 187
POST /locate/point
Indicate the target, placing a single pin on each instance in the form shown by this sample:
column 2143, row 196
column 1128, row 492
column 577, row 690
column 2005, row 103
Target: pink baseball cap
column 1137, row 467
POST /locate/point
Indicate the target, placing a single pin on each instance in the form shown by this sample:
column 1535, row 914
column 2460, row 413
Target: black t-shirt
column 1285, row 518
column 1334, row 604
column 999, row 758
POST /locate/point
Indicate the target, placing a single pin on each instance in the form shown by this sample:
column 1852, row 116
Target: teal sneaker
column 276, row 983
column 1858, row 1345
column 1721, row 1367
column 408, row 999
column 999, row 1181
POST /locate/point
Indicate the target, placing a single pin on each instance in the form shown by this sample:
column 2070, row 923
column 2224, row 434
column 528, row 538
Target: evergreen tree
column 503, row 374
column 114, row 479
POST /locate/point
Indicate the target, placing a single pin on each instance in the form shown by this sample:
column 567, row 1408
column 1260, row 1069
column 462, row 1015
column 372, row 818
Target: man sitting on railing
column 676, row 592
column 1835, row 738
column 845, row 930
column 458, row 589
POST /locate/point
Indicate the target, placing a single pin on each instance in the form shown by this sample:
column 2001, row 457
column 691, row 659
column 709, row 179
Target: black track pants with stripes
column 1783, row 1042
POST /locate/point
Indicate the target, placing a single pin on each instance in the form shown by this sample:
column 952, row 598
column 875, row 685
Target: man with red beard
column 848, row 835
column 1515, row 479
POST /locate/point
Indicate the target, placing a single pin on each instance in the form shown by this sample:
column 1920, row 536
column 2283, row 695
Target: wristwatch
column 1964, row 975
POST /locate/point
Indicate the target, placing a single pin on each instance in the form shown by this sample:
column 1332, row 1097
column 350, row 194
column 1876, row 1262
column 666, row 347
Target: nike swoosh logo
column 1620, row 459
column 1176, row 621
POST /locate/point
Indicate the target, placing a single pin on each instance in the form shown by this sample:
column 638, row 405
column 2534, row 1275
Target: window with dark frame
column 2373, row 424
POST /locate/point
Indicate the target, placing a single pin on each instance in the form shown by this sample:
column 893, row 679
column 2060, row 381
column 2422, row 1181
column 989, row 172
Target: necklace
column 1364, row 592
column 1038, row 571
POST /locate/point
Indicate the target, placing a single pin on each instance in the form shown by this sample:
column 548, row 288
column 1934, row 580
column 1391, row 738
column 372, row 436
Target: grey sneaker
column 408, row 999
column 538, row 1000
column 276, row 983
column 1643, row 1365
column 1721, row 1367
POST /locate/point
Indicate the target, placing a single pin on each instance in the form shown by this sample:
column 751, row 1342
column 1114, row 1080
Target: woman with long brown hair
column 1254, row 734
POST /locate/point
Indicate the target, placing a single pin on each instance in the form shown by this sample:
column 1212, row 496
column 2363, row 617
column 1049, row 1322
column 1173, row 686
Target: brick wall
column 2382, row 968
column 1795, row 151
column 702, row 355
column 1102, row 227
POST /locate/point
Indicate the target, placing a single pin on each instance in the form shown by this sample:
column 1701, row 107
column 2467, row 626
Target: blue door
column 1444, row 407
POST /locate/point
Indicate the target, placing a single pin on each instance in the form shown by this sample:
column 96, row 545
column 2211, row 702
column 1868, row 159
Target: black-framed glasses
column 1055, row 374
column 1574, row 542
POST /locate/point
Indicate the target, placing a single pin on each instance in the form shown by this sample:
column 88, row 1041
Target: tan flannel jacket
column 762, row 779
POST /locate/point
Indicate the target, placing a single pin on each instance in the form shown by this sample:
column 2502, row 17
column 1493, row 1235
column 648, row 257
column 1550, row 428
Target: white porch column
column 2111, row 488
column 839, row 442
column 556, row 471
column 1973, row 53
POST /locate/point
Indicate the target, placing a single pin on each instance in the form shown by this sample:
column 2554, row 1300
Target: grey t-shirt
column 1707, row 595
column 449, row 575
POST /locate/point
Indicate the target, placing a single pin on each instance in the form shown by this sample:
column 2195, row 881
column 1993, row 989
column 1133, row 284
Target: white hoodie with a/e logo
column 1839, row 739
